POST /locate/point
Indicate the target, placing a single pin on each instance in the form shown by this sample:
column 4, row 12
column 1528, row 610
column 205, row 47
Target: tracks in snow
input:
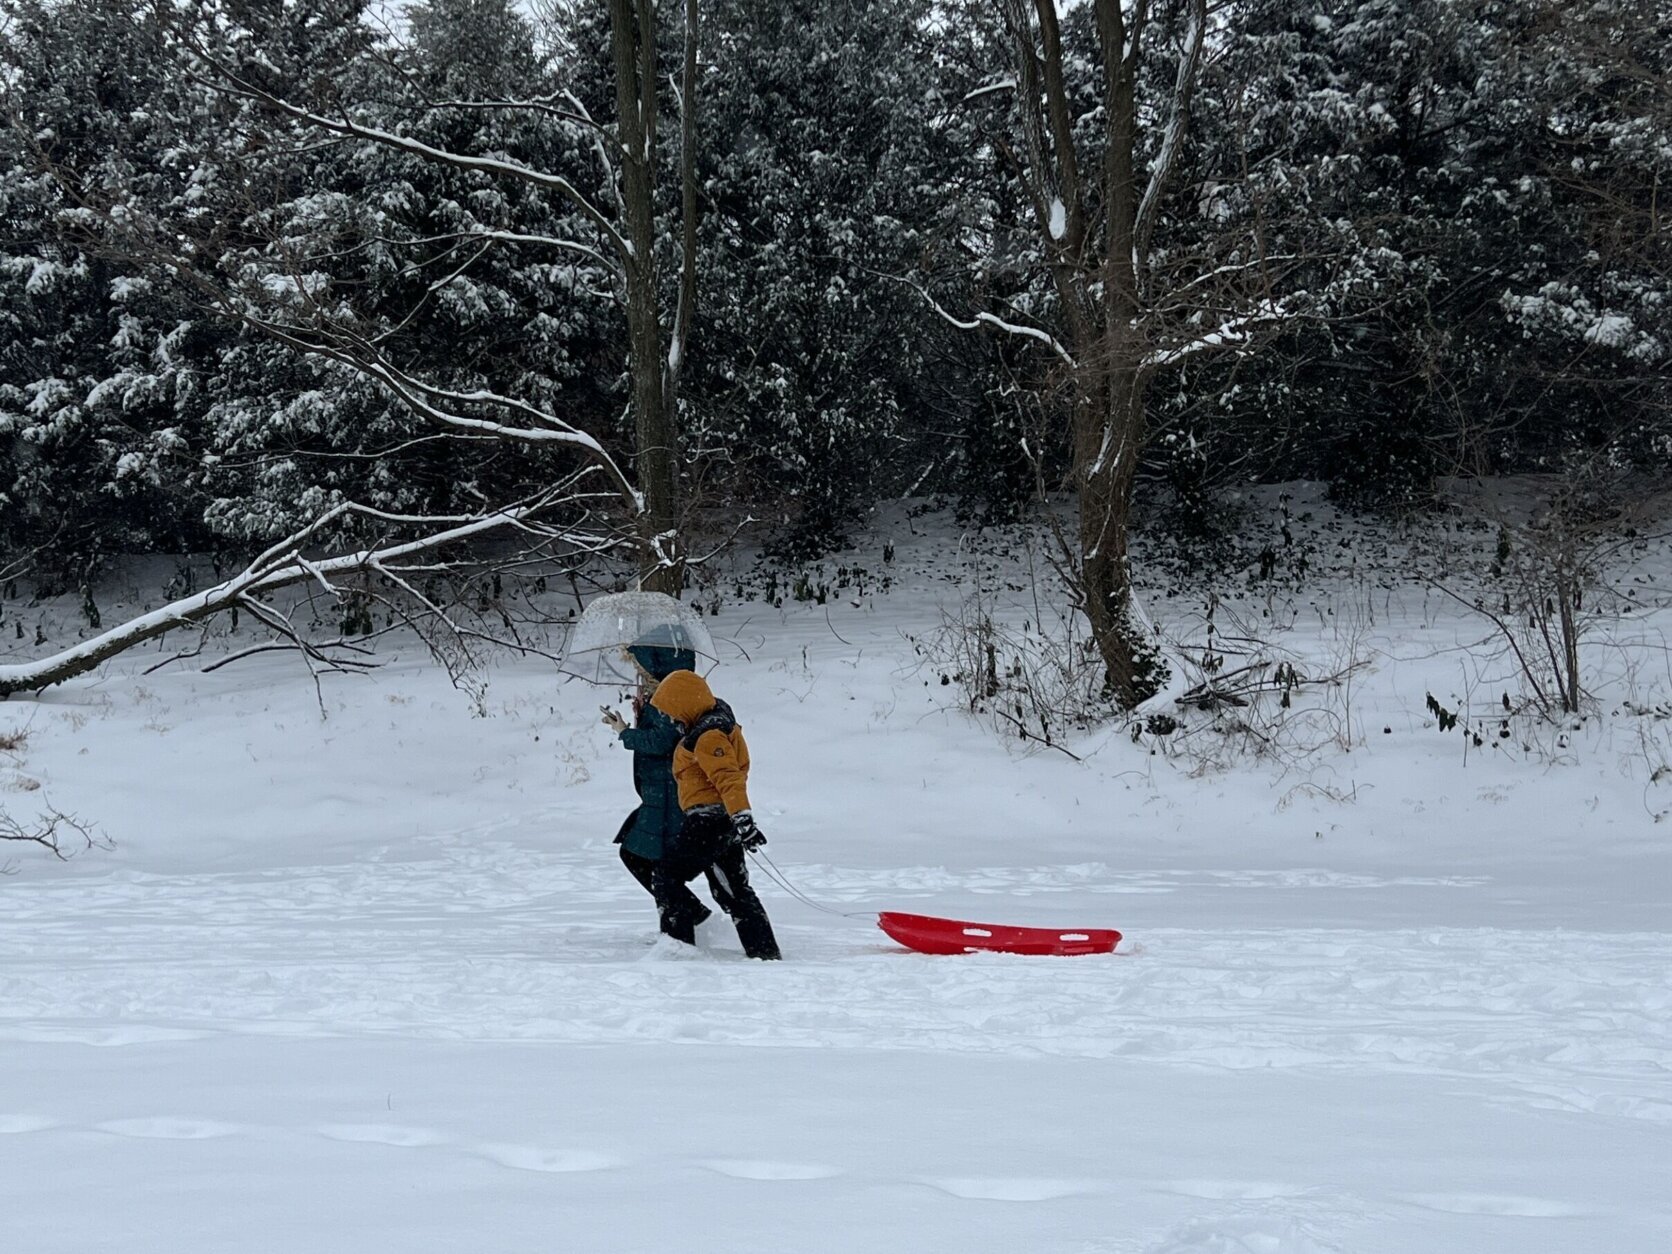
column 487, row 942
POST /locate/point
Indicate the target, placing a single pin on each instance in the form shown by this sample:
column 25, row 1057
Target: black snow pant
column 706, row 845
column 643, row 869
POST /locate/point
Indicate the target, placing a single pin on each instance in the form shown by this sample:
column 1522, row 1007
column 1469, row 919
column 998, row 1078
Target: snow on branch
column 1190, row 61
column 230, row 82
column 1181, row 296
column 983, row 318
column 1234, row 332
column 567, row 112
column 328, row 337
column 1003, row 84
column 437, row 403
column 279, row 566
column 545, row 241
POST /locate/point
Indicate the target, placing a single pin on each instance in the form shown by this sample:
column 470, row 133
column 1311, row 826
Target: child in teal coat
column 652, row 739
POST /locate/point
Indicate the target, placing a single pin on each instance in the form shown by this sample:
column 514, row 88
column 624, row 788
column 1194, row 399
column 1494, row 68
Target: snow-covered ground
column 375, row 981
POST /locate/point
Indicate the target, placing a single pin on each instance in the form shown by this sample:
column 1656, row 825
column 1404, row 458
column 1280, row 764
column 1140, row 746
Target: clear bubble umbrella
column 611, row 623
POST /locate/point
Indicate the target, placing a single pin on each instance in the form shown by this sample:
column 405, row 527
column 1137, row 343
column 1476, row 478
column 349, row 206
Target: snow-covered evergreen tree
column 1474, row 186
column 1471, row 196
column 100, row 367
column 827, row 173
column 420, row 259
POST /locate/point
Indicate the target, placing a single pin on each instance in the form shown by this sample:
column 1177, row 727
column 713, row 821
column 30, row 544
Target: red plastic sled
column 929, row 935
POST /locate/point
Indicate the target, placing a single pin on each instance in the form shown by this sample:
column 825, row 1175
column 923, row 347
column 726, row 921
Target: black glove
column 748, row 835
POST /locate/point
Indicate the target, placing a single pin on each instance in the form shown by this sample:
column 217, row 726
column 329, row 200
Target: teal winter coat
column 658, row 816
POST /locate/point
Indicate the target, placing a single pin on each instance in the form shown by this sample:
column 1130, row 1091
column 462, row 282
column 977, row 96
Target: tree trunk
column 633, row 48
column 1568, row 584
column 1109, row 420
column 1108, row 434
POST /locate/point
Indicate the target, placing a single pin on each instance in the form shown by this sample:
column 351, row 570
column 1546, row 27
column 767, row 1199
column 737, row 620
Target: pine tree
column 100, row 367
column 828, row 173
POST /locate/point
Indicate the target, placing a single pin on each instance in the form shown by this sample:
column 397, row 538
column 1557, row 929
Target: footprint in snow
column 165, row 1128
column 131, row 1034
column 382, row 1134
column 666, row 949
column 746, row 1169
column 1494, row 1204
column 1232, row 1190
column 1241, row 1236
column 11, row 1124
column 1008, row 1189
column 533, row 1158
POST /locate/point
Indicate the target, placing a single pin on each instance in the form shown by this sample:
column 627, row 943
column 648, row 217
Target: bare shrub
column 1547, row 593
column 1037, row 680
column 1246, row 696
column 1023, row 659
column 1035, row 674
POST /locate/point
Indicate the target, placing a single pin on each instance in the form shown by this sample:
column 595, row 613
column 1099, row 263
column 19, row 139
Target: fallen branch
column 51, row 831
column 276, row 646
column 1253, row 681
column 280, row 566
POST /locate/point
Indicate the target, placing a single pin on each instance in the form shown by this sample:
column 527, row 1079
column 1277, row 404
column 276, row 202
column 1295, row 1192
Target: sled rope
column 780, row 879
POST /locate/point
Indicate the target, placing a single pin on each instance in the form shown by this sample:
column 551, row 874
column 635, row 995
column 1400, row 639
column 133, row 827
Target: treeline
column 1464, row 203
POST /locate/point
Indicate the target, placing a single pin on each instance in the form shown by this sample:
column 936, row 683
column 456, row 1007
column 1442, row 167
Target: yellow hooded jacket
column 711, row 761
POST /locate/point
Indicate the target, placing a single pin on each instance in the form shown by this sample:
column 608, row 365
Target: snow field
column 484, row 940
column 375, row 980
column 257, row 1143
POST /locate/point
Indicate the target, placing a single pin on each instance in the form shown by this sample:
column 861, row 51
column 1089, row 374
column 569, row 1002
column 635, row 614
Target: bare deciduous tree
column 1127, row 308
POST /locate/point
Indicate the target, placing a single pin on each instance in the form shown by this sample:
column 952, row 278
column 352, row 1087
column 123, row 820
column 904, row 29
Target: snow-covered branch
column 1235, row 332
column 544, row 241
column 281, row 565
column 1183, row 295
column 1135, row 34
column 1004, row 84
column 232, row 83
column 329, row 338
column 1161, row 173
column 437, row 403
column 539, row 104
column 685, row 91
column 983, row 318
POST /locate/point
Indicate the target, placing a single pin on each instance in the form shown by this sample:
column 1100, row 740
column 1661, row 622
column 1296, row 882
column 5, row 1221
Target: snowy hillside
column 368, row 977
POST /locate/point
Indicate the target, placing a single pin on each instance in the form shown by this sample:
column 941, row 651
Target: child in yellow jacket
column 711, row 770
